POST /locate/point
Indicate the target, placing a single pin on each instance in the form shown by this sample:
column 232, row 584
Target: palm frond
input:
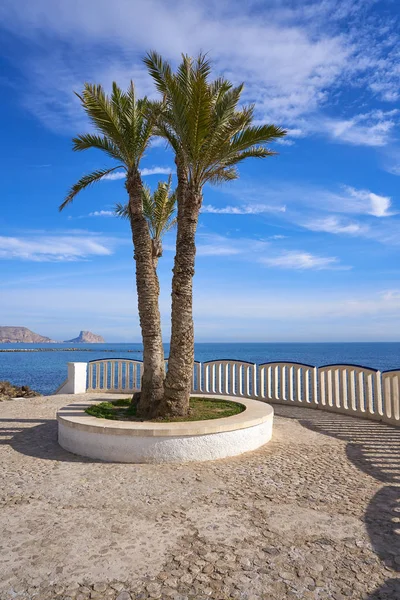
column 101, row 112
column 159, row 70
column 87, row 141
column 222, row 175
column 158, row 209
column 84, row 182
column 203, row 122
column 122, row 210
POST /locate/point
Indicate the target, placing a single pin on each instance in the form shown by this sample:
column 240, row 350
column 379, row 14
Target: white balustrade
column 114, row 375
column 287, row 383
column 229, row 378
column 391, row 396
column 347, row 389
column 351, row 389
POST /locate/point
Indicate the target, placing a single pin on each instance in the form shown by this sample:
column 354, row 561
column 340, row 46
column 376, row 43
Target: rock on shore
column 8, row 391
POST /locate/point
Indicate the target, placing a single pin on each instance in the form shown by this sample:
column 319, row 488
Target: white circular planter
column 147, row 442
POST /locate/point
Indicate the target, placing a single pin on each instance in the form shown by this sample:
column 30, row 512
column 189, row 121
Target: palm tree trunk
column 148, row 291
column 178, row 381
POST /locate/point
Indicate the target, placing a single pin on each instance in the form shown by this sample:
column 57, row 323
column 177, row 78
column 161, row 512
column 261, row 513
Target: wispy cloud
column 53, row 248
column 213, row 244
column 145, row 172
column 334, row 225
column 370, row 203
column 302, row 261
column 370, row 129
column 102, row 213
column 294, row 56
column 287, row 197
column 156, row 171
column 114, row 176
column 248, row 209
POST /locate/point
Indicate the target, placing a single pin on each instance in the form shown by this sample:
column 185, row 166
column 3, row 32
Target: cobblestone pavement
column 314, row 514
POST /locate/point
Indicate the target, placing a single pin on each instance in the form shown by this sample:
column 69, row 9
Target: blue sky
column 303, row 247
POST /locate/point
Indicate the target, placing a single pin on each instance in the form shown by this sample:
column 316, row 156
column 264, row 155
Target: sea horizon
column 44, row 376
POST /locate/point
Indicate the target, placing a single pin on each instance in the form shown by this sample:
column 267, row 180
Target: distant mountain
column 87, row 337
column 16, row 335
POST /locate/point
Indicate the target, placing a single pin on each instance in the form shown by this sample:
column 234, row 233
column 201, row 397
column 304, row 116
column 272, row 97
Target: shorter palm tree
column 159, row 211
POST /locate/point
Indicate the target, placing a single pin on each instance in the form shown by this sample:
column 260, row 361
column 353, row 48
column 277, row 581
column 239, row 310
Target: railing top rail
column 235, row 360
column 136, row 360
column 115, row 359
column 391, row 371
column 286, row 362
column 344, row 365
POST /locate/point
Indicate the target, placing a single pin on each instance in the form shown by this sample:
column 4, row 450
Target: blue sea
column 45, row 371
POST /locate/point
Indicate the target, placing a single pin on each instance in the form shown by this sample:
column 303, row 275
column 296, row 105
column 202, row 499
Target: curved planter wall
column 135, row 442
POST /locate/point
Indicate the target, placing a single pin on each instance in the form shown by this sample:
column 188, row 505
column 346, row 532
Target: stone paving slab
column 312, row 515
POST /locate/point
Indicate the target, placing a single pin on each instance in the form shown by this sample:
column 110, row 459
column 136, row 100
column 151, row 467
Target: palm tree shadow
column 372, row 447
column 382, row 521
column 39, row 441
column 390, row 590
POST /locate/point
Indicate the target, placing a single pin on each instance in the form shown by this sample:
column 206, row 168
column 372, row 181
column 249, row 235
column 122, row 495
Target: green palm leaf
column 84, row 182
column 203, row 122
column 123, row 129
column 158, row 209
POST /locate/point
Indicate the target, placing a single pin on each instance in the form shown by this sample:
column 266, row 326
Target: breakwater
column 64, row 350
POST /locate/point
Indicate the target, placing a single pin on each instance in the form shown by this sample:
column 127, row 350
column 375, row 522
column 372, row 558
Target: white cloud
column 291, row 58
column 301, row 261
column 249, row 209
column 212, row 244
column 393, row 168
column 156, row 171
column 370, row 129
column 252, row 313
column 216, row 249
column 373, row 204
column 53, row 248
column 391, row 295
column 288, row 197
column 145, row 172
column 102, row 213
column 334, row 225
column 114, row 176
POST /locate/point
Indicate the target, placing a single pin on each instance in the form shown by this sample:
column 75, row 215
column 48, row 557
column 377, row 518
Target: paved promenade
column 314, row 515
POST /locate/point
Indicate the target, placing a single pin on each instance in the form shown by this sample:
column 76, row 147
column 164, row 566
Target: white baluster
column 298, row 385
column 361, row 392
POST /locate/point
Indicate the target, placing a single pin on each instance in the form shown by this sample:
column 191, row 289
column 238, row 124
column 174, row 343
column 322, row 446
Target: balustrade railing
column 348, row 389
column 116, row 375
column 228, row 377
column 391, row 396
column 287, row 383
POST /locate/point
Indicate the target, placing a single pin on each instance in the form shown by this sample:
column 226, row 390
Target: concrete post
column 76, row 382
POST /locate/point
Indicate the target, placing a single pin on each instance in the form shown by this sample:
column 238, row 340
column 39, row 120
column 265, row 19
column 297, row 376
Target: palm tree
column 210, row 135
column 123, row 133
column 159, row 210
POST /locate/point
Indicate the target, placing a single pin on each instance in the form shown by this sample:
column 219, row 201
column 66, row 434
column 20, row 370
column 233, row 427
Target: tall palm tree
column 159, row 210
column 210, row 135
column 123, row 133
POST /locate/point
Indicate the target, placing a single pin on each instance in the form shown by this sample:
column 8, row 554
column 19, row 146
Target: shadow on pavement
column 39, row 441
column 374, row 448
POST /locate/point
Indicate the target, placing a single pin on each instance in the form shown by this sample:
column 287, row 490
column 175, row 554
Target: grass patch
column 200, row 409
